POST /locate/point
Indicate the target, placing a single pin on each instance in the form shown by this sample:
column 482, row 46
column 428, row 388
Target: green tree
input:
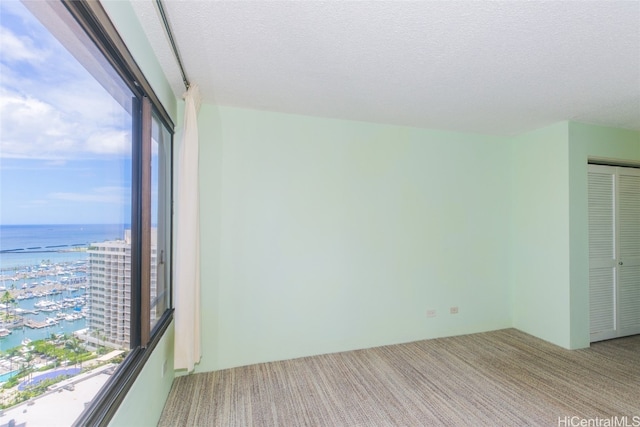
column 29, row 367
column 74, row 344
column 7, row 299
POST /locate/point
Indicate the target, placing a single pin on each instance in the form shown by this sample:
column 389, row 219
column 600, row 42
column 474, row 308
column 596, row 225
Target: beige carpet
column 500, row 378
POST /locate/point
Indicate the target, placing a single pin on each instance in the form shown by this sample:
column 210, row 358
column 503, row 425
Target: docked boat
column 44, row 305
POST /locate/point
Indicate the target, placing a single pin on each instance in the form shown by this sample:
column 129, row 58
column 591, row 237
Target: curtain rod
column 167, row 28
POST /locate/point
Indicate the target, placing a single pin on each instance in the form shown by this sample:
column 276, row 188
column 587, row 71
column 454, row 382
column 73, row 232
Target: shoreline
column 41, row 268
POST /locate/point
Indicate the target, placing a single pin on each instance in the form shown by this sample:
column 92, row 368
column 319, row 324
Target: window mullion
column 145, row 282
column 137, row 226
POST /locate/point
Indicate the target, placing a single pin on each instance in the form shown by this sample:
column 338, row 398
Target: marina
column 44, row 279
column 39, row 300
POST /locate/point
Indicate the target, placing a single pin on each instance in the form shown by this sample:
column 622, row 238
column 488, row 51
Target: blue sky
column 64, row 141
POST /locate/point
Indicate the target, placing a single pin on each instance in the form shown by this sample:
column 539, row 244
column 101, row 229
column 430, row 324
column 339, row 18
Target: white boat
column 4, row 332
column 26, row 341
column 44, row 304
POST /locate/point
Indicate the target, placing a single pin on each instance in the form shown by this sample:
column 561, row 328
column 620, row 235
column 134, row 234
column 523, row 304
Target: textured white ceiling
column 478, row 66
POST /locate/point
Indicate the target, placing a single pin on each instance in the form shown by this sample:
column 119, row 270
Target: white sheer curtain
column 187, row 234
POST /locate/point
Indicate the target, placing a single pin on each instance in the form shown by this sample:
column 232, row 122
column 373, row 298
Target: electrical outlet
column 431, row 313
column 453, row 310
column 164, row 369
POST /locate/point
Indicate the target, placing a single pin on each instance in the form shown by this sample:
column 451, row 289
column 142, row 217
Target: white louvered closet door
column 602, row 253
column 629, row 251
column 614, row 251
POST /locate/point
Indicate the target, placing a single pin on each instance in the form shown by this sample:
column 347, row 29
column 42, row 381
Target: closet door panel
column 629, row 214
column 602, row 303
column 602, row 262
column 628, row 198
column 629, row 300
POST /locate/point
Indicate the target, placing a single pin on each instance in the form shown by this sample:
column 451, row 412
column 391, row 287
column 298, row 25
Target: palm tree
column 28, row 359
column 7, row 299
column 74, row 345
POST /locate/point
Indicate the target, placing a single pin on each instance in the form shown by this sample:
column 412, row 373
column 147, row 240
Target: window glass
column 69, row 130
column 160, row 220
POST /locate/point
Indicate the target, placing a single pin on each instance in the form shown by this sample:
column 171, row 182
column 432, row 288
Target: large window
column 85, row 216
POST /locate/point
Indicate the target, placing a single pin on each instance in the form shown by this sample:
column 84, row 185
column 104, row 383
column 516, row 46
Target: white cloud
column 35, row 129
column 54, row 163
column 109, row 142
column 51, row 108
column 32, row 128
column 111, row 195
column 16, row 48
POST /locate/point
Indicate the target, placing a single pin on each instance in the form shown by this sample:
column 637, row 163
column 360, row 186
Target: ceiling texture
column 491, row 67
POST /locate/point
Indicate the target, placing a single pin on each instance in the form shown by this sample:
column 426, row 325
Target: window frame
column 95, row 23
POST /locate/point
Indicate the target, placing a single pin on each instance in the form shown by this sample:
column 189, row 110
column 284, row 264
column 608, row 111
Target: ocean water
column 25, row 247
column 28, row 245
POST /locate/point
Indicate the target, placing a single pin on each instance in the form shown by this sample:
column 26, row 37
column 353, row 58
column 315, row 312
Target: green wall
column 209, row 129
column 338, row 235
column 538, row 259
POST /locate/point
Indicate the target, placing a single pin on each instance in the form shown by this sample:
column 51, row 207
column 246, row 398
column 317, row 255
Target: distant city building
column 109, row 290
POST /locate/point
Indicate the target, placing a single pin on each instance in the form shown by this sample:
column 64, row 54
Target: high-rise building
column 109, row 291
